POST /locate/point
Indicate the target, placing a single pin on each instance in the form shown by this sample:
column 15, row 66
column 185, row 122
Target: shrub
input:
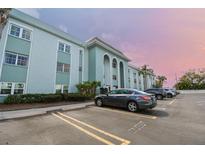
column 88, row 88
column 76, row 97
column 45, row 98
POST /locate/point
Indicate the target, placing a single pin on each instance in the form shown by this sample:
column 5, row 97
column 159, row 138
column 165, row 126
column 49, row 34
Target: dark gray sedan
column 131, row 99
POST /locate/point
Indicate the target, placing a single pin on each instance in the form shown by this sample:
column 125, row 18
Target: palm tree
column 160, row 80
column 144, row 71
column 4, row 13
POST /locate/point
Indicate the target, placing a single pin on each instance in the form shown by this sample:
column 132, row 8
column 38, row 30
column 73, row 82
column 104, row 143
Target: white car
column 170, row 92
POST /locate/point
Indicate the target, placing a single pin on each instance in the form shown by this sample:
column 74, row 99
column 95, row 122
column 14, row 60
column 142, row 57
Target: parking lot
column 180, row 120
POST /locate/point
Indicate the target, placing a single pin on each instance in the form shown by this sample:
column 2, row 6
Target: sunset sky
column 171, row 41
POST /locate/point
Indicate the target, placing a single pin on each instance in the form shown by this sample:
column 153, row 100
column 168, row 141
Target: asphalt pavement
column 175, row 121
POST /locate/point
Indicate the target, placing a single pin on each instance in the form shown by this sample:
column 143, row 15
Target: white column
column 118, row 68
column 111, row 74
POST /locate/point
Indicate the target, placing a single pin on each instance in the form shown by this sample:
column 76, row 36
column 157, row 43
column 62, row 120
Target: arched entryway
column 114, row 73
column 106, row 70
column 122, row 84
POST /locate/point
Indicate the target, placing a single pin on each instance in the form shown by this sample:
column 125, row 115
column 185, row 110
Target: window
column 26, row 34
column 61, row 88
column 22, row 60
column 67, row 48
column 64, row 47
column 135, row 81
column 114, row 64
column 63, row 67
column 65, row 88
column 59, row 67
column 61, row 47
column 19, row 88
column 20, row 32
column 15, row 59
column 58, row 88
column 11, row 88
column 66, row 67
column 114, row 77
column 129, row 79
column 10, row 58
column 15, row 31
column 6, row 88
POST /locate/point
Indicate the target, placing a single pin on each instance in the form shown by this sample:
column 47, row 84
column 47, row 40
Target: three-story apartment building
column 38, row 58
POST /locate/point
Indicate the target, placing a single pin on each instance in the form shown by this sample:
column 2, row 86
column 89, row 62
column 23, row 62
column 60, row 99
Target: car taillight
column 146, row 98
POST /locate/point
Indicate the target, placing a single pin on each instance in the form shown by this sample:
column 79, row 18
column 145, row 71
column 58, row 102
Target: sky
column 170, row 41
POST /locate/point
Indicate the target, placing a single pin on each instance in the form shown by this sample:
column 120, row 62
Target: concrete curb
column 192, row 91
column 8, row 115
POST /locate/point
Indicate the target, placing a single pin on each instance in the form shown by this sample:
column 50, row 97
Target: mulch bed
column 11, row 107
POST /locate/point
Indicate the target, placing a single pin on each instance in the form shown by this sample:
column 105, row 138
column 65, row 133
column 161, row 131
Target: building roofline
column 19, row 15
column 134, row 67
column 95, row 40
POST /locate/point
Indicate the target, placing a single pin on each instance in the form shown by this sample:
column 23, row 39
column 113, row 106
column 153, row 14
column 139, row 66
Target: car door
column 110, row 98
column 121, row 98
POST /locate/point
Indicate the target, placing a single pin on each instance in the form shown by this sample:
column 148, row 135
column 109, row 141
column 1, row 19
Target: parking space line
column 124, row 141
column 84, row 130
column 170, row 103
column 127, row 113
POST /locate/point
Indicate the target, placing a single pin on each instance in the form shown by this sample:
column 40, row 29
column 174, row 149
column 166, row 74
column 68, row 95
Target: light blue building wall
column 56, row 61
column 40, row 74
column 101, row 58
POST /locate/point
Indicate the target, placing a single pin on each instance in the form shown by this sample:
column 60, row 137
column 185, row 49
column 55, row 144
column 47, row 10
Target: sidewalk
column 6, row 115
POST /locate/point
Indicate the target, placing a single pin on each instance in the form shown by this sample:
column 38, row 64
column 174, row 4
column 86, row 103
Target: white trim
column 69, row 84
column 119, row 77
column 29, row 63
column 13, row 87
column 20, row 25
column 81, row 49
column 54, row 91
column 83, row 71
column 109, row 69
column 123, row 74
column 113, row 69
column 16, row 61
column 4, row 48
column 65, row 43
column 21, row 30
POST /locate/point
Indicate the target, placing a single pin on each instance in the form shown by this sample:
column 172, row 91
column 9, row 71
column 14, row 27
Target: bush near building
column 88, row 88
column 45, row 98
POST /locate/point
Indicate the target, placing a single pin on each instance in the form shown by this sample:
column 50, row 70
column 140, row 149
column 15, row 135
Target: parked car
column 170, row 92
column 131, row 99
column 159, row 93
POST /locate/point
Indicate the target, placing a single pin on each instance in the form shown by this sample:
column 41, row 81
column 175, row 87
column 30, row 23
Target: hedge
column 45, row 98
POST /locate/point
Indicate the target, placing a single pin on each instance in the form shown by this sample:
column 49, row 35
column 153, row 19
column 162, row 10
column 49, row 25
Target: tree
column 191, row 80
column 144, row 71
column 160, row 81
column 88, row 88
column 4, row 13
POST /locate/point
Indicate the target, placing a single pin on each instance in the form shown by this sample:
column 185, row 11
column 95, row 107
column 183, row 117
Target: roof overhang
column 95, row 41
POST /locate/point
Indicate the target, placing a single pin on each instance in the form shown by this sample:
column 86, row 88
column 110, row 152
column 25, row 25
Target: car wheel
column 99, row 102
column 169, row 95
column 159, row 97
column 132, row 106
